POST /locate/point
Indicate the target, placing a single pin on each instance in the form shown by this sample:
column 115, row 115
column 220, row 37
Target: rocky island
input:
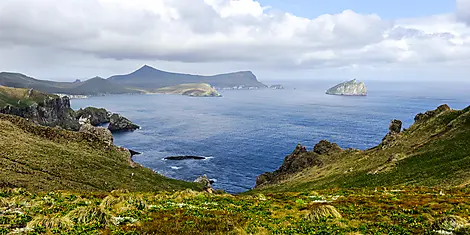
column 190, row 89
column 350, row 88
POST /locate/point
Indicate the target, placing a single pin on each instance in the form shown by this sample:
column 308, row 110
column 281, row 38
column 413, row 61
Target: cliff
column 434, row 151
column 38, row 107
column 350, row 88
column 191, row 89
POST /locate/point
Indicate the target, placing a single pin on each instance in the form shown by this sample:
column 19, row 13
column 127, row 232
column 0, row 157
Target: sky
column 64, row 40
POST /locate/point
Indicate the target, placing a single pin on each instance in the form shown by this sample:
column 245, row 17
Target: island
column 350, row 88
column 190, row 89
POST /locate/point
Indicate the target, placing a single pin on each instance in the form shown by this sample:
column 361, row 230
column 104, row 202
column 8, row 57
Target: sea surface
column 248, row 132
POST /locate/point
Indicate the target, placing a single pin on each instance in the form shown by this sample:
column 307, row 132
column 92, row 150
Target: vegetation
column 432, row 152
column 41, row 158
column 334, row 211
column 20, row 97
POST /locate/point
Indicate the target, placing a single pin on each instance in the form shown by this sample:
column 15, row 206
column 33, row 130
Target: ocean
column 248, row 132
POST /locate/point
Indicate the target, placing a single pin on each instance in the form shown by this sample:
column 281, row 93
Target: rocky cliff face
column 53, row 111
column 297, row 161
column 350, row 88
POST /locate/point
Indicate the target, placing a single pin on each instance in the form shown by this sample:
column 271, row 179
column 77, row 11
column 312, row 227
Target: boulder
column 100, row 132
column 119, row 123
column 96, row 116
column 326, row 147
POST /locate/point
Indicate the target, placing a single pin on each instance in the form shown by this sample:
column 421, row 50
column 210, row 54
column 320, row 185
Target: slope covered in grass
column 21, row 97
column 41, row 158
column 434, row 151
column 360, row 211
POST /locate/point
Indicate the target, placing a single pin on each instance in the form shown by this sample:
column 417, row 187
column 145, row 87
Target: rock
column 179, row 158
column 119, row 123
column 133, row 153
column 393, row 134
column 326, row 147
column 450, row 225
column 350, row 88
column 276, row 87
column 421, row 117
column 96, row 116
column 395, row 126
column 297, row 161
column 52, row 111
column 205, row 182
column 100, row 132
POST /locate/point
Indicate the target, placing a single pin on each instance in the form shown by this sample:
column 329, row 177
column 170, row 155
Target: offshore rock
column 100, row 132
column 118, row 123
column 96, row 116
column 350, row 88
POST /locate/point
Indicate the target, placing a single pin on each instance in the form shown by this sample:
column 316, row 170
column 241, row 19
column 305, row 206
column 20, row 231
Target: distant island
column 144, row 80
column 190, row 89
column 350, row 88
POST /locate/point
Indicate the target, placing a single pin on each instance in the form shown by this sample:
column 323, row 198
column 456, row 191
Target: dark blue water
column 248, row 132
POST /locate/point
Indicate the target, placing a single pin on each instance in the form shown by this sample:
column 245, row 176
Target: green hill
column 434, row 151
column 91, row 86
column 41, row 158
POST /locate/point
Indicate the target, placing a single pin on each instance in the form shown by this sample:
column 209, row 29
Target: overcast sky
column 295, row 39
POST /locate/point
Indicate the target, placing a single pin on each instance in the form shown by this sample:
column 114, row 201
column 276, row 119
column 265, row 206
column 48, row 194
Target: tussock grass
column 50, row 223
column 318, row 212
column 90, row 214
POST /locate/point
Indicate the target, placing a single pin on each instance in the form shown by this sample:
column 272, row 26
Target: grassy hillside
column 43, row 159
column 92, row 86
column 20, row 97
column 435, row 151
column 336, row 211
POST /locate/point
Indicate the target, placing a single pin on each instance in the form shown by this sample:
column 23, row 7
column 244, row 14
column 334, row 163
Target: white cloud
column 227, row 31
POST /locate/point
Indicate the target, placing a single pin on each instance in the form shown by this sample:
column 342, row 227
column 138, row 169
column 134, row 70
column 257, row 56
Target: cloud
column 230, row 31
column 463, row 10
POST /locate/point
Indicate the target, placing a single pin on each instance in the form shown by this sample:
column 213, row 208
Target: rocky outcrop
column 350, row 88
column 422, row 117
column 205, row 182
column 297, row 161
column 179, row 158
column 100, row 132
column 276, row 87
column 326, row 147
column 96, row 116
column 393, row 134
column 118, row 123
column 53, row 111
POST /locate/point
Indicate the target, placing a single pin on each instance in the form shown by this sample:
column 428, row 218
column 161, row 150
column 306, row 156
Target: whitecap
column 175, row 167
